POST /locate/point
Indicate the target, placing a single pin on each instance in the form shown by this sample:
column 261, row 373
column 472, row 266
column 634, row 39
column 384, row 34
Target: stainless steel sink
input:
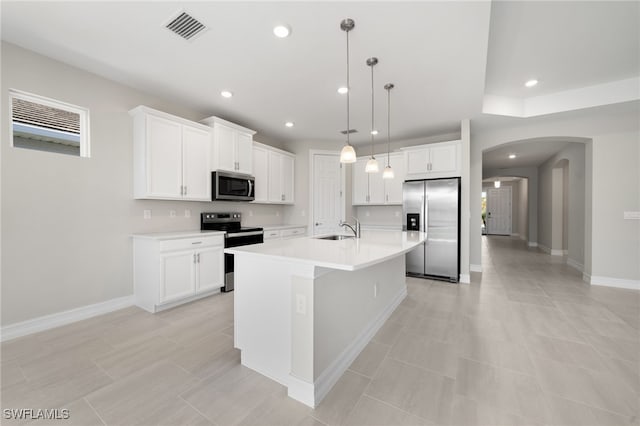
column 336, row 237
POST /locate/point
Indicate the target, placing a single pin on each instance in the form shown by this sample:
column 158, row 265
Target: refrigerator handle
column 423, row 221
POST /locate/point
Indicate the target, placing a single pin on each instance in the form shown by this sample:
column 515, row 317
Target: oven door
column 235, row 240
column 232, row 186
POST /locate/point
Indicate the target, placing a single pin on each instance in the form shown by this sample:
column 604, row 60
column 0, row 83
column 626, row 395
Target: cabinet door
column 287, row 163
column 164, row 158
column 261, row 173
column 360, row 188
column 210, row 269
column 444, row 158
column 225, row 152
column 244, row 152
column 393, row 187
column 196, row 170
column 417, row 161
column 275, row 177
column 177, row 275
column 376, row 187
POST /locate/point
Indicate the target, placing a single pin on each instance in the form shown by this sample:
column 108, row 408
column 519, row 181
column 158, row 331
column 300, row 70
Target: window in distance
column 48, row 125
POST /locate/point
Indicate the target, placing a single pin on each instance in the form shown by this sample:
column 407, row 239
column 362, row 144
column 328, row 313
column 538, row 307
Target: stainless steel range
column 235, row 236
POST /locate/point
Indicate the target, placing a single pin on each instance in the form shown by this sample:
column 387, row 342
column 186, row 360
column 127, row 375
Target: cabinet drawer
column 271, row 235
column 294, row 232
column 191, row 243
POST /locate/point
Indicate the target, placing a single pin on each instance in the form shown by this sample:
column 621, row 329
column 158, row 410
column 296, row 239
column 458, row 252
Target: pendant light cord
column 388, row 126
column 348, row 89
column 372, row 115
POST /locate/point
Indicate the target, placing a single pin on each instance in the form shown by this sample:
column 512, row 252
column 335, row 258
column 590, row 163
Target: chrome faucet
column 356, row 230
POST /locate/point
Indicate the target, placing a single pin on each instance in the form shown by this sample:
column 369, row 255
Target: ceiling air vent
column 344, row 132
column 186, row 26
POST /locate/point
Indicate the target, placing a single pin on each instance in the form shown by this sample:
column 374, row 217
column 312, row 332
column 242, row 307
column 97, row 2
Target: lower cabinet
column 170, row 272
column 283, row 234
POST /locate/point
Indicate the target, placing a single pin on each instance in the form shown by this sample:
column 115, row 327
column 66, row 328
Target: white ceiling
column 530, row 153
column 436, row 53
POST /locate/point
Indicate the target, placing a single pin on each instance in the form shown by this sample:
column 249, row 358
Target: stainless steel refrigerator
column 433, row 206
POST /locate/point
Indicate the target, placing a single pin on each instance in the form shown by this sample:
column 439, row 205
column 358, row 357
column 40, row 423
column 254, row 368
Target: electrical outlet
column 366, row 213
column 277, row 213
column 146, row 214
column 172, row 213
column 375, row 290
column 397, row 214
column 187, row 213
column 632, row 215
column 301, row 304
column 303, row 213
column 250, row 213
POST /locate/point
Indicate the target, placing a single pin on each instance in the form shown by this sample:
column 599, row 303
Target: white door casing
column 499, row 211
column 327, row 186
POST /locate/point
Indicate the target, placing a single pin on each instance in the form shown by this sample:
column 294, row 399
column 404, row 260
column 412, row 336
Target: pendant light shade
column 372, row 164
column 388, row 171
column 496, row 184
column 348, row 154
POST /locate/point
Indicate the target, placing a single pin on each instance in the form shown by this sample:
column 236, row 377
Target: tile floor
column 527, row 343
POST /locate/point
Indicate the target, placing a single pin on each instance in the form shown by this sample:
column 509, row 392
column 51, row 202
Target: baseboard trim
column 47, row 322
column 532, row 244
column 575, row 264
column 475, row 268
column 465, row 279
column 330, row 376
column 515, row 235
column 552, row 252
column 614, row 282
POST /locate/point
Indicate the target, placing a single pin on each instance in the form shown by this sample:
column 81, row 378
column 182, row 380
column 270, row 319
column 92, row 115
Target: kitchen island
column 305, row 308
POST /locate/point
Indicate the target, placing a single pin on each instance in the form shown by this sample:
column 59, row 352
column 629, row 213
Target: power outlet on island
column 301, row 304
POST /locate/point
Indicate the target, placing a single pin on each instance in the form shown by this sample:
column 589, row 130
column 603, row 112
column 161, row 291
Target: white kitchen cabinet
column 434, row 160
column 285, row 233
column 171, row 157
column 371, row 188
column 168, row 272
column 274, row 172
column 261, row 173
column 232, row 146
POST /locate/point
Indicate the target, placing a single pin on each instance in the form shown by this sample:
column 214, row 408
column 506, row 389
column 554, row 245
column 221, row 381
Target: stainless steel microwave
column 230, row 186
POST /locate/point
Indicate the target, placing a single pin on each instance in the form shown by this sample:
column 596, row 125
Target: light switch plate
column 146, row 214
column 187, row 213
column 172, row 213
column 301, row 304
column 632, row 215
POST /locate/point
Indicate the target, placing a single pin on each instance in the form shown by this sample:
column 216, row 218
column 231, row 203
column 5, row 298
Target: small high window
column 48, row 125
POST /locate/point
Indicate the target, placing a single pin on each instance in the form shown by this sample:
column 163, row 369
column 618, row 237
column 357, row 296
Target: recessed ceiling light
column 374, row 132
column 342, row 90
column 531, row 83
column 226, row 94
column 512, row 156
column 281, row 31
column 289, row 124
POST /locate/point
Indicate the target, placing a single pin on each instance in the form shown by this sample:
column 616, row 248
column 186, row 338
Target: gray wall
column 573, row 157
column 67, row 221
column 523, row 205
column 612, row 161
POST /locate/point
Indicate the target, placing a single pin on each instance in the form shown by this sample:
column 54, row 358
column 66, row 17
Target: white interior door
column 499, row 211
column 328, row 198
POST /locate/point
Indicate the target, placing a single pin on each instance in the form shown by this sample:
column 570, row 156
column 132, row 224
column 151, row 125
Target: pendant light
column 372, row 164
column 348, row 154
column 496, row 184
column 388, row 171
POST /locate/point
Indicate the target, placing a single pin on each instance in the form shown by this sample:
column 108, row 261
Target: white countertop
column 280, row 227
column 178, row 235
column 348, row 255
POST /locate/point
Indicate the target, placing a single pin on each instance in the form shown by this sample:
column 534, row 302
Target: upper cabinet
column 434, row 160
column 274, row 172
column 371, row 188
column 170, row 156
column 232, row 146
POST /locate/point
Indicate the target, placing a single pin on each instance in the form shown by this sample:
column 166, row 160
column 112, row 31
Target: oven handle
column 244, row 234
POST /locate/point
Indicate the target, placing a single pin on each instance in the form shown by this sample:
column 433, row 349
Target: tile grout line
column 85, row 399
column 197, row 411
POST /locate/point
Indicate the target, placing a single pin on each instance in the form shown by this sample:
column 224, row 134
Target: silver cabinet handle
column 185, row 190
column 198, row 257
column 197, row 242
column 194, row 258
column 282, row 197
